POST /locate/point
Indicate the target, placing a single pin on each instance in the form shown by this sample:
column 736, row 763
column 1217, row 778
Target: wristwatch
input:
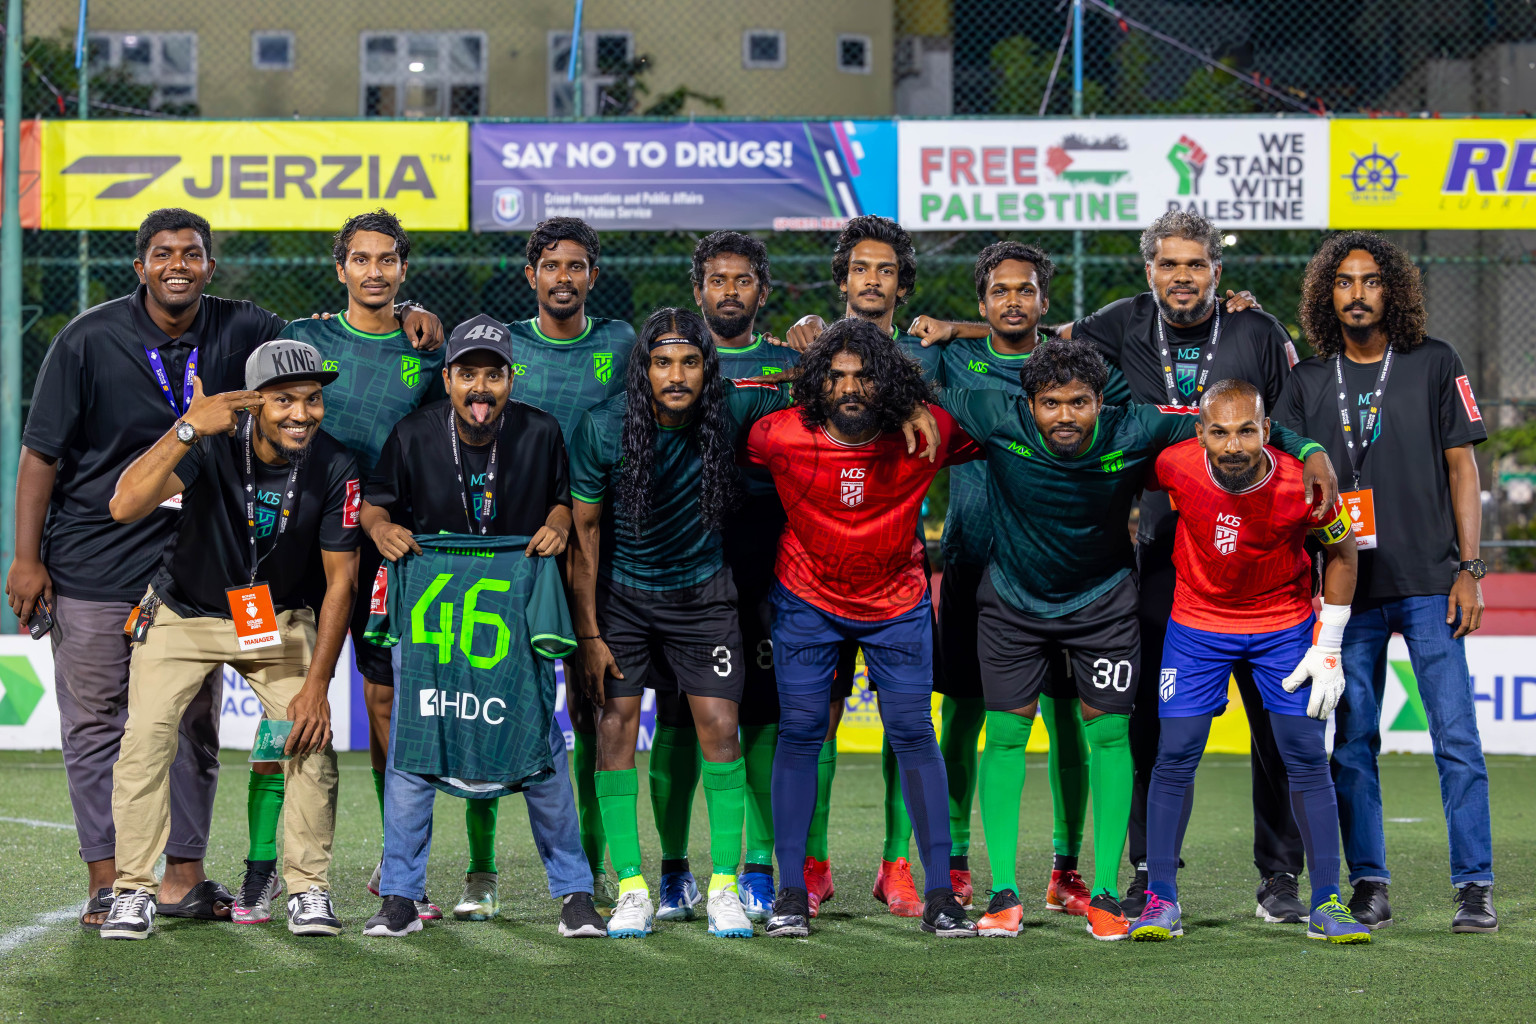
column 1477, row 567
column 185, row 432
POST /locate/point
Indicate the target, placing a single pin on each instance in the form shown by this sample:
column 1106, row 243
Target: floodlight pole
column 1078, row 284
column 82, row 111
column 10, row 301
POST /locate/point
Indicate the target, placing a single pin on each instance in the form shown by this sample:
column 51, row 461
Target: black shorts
column 751, row 541
column 1102, row 642
column 372, row 660
column 957, row 667
column 687, row 640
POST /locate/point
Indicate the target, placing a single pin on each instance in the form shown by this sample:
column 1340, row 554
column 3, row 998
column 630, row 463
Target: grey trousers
column 90, row 674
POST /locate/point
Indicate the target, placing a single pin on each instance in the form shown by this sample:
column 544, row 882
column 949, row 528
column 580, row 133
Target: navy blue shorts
column 1197, row 664
column 807, row 641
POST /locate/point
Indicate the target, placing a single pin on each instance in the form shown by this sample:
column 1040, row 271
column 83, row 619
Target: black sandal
column 101, row 903
column 201, row 902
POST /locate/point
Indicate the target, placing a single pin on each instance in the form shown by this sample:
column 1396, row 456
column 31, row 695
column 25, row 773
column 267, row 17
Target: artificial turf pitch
column 859, row 964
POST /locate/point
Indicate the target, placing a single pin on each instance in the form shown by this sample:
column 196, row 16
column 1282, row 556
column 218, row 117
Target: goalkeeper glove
column 1323, row 665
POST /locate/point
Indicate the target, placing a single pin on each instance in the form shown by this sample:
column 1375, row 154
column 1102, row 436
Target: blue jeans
column 408, row 801
column 1440, row 666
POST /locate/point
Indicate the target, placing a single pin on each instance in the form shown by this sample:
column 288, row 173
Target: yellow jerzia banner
column 255, row 175
column 1432, row 173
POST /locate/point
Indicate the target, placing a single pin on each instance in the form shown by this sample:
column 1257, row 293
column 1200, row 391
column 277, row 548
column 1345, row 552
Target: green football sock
column 674, row 775
column 758, row 742
column 1111, row 777
column 617, row 796
column 826, row 770
column 959, row 727
column 263, row 807
column 588, row 814
column 378, row 788
column 725, row 796
column 1002, row 787
column 1067, row 765
column 898, row 826
column 480, row 825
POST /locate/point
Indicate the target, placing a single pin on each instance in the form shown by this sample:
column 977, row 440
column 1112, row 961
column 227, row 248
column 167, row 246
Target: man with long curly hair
column 1396, row 410
column 850, row 569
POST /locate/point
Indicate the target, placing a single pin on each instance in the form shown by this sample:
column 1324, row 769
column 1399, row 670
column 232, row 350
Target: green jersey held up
column 566, row 378
column 478, row 624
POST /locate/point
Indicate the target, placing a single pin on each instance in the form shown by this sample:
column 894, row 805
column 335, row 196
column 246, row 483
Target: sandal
column 101, row 903
column 201, row 902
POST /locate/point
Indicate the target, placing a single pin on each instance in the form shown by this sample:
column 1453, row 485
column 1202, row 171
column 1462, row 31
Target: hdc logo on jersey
column 1165, row 684
column 1226, row 532
column 602, row 366
column 378, row 601
column 1468, row 399
column 853, row 487
column 351, row 514
column 410, row 370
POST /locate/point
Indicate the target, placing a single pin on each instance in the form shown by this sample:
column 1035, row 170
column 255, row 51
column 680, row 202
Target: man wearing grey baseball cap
column 270, row 507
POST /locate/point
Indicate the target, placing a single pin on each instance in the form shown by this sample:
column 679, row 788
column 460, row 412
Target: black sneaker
column 1278, row 900
column 579, row 918
column 1369, row 904
column 945, row 917
column 1136, row 896
column 396, row 918
column 1474, row 911
column 132, row 916
column 311, row 912
column 791, row 914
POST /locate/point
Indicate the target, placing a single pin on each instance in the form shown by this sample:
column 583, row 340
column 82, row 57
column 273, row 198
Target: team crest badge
column 410, row 370
column 853, row 487
column 602, row 366
column 1165, row 683
column 1226, row 532
column 266, row 518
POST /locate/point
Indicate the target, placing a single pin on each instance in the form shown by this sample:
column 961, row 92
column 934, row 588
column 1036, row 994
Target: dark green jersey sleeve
column 592, row 453
column 1116, row 390
column 1168, row 425
column 750, row 402
column 550, row 632
column 978, row 412
column 383, row 629
column 1292, row 443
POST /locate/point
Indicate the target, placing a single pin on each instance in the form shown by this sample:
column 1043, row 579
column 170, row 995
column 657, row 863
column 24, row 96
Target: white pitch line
column 34, row 823
column 19, row 936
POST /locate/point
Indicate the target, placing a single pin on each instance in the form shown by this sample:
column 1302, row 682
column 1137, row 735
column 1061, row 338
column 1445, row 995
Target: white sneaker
column 479, row 900
column 132, row 916
column 633, row 917
column 253, row 904
column 377, row 876
column 312, row 913
column 727, row 917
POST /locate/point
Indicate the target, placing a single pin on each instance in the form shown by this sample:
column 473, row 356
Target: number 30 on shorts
column 1108, row 673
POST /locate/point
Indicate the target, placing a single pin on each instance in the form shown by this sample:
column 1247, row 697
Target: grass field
column 859, row 965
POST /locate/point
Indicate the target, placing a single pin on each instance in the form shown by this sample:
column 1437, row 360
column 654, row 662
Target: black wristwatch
column 1477, row 567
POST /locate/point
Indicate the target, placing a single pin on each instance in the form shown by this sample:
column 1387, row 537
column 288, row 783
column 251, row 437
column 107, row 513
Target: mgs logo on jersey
column 267, row 503
column 1189, row 362
column 410, row 371
column 853, row 487
column 602, row 366
column 1227, row 526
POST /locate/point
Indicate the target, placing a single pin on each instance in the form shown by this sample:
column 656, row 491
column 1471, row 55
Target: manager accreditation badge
column 255, row 621
column 1362, row 512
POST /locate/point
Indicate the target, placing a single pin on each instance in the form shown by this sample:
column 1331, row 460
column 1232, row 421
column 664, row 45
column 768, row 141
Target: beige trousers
column 164, row 676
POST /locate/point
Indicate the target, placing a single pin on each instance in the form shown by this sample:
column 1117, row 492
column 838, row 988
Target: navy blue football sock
column 908, row 725
column 1313, row 800
column 1179, row 746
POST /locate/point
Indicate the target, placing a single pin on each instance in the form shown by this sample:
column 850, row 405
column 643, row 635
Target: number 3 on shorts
column 722, row 665
column 1108, row 673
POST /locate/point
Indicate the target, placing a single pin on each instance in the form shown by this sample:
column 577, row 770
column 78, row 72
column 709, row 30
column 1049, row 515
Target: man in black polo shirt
column 1396, row 410
column 485, row 465
column 101, row 398
column 269, row 531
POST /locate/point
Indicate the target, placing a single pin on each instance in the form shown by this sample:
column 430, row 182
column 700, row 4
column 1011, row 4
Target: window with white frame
column 421, row 74
column 605, row 58
column 272, row 51
column 165, row 60
column 853, row 54
column 762, row 49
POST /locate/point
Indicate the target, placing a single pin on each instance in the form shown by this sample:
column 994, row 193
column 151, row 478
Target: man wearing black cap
column 270, row 509
column 484, row 465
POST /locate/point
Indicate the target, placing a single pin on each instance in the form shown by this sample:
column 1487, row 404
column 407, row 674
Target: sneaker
column 312, row 913
column 1004, row 916
column 377, row 876
column 894, row 887
column 579, row 918
column 427, row 910
column 1136, row 896
column 960, row 882
column 478, row 903
column 945, row 917
column 791, row 915
column 756, row 894
column 1158, row 921
column 258, row 889
column 1474, row 911
column 397, row 917
column 1067, row 892
column 727, row 918
column 1368, row 904
column 605, row 894
column 818, row 882
column 634, row 917
column 1278, row 900
column 1333, row 921
column 1106, row 919
column 679, row 895
column 132, row 916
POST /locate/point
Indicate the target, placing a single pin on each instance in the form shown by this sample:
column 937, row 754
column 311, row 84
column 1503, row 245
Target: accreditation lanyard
column 1357, row 452
column 1174, row 397
column 490, row 477
column 290, row 492
column 158, row 366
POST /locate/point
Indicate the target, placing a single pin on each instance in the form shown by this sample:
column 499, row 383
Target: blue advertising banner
column 702, row 175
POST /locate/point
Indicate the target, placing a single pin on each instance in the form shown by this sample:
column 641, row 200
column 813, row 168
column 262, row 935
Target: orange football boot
column 894, row 887
column 1067, row 892
column 818, row 882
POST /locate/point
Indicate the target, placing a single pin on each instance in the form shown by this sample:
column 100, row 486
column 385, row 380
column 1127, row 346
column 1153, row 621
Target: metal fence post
column 10, row 302
column 1078, row 284
column 83, row 111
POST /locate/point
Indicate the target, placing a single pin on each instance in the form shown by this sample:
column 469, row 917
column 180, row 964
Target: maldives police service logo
column 410, row 370
column 507, row 205
column 853, row 487
column 602, row 366
column 1227, row 526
